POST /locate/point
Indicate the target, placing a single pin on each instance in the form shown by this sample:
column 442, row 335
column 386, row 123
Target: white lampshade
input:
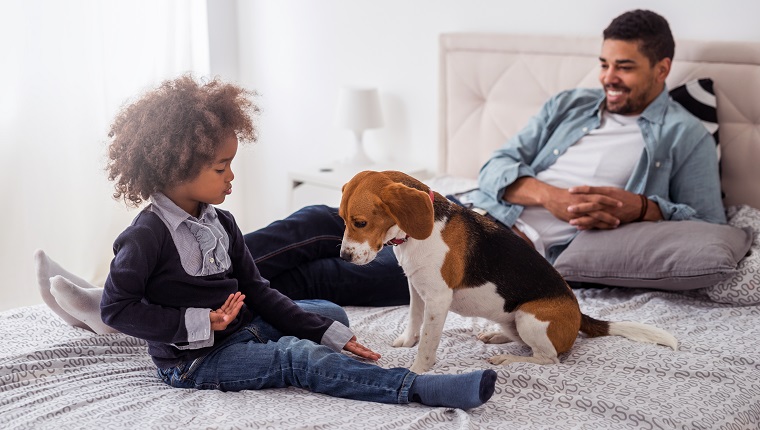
column 358, row 110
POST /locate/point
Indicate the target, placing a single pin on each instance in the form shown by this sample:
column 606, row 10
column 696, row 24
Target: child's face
column 212, row 185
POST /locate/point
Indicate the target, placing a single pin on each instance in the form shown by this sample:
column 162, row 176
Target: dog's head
column 378, row 207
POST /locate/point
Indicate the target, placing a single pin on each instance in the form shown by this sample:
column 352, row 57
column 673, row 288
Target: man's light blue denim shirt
column 678, row 168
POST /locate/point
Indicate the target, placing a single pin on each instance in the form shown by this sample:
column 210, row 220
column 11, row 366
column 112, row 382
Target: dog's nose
column 346, row 255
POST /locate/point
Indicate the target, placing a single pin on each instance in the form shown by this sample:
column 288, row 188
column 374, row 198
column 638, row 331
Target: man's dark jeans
column 299, row 255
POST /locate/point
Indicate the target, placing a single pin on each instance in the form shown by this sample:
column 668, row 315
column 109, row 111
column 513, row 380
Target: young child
column 183, row 279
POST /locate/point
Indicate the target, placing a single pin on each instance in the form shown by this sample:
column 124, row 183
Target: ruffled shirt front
column 201, row 242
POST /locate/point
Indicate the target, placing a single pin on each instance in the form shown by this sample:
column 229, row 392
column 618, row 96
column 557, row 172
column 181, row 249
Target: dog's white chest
column 423, row 258
column 422, row 262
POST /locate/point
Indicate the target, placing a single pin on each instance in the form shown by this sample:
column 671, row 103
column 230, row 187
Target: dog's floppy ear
column 410, row 208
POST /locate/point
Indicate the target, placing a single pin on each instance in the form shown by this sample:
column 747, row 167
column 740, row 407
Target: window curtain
column 67, row 67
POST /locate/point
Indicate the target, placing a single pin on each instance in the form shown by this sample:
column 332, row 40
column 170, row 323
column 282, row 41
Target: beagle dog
column 456, row 259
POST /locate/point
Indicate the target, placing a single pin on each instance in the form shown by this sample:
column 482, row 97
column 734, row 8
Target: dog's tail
column 631, row 330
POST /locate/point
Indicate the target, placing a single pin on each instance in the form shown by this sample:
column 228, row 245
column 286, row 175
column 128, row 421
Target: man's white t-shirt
column 603, row 158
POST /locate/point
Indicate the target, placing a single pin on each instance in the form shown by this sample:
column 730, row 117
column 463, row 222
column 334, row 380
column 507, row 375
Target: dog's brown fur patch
column 564, row 317
column 369, row 209
column 455, row 235
column 381, row 202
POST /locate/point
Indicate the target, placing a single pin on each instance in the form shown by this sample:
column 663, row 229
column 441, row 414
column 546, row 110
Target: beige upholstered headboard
column 491, row 84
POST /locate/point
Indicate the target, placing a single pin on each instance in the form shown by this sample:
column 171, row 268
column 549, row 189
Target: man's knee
column 325, row 308
column 318, row 212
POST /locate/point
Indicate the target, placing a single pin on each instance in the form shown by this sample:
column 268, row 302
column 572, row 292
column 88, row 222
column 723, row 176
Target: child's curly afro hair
column 170, row 133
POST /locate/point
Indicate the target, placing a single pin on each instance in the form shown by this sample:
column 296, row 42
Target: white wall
column 67, row 67
column 297, row 54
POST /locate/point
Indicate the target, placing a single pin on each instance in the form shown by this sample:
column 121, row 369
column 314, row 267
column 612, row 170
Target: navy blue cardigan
column 148, row 292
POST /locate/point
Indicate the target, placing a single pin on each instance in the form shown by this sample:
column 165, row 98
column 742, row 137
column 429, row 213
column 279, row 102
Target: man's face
column 629, row 80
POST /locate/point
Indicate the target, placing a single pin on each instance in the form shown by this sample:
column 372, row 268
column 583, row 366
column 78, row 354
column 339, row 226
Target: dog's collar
column 398, row 241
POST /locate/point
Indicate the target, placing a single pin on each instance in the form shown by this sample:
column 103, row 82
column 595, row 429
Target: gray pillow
column 668, row 255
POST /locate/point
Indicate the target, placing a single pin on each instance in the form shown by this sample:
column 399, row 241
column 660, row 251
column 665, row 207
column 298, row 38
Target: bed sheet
column 56, row 376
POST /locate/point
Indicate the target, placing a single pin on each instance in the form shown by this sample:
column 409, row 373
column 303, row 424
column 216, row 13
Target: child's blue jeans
column 258, row 357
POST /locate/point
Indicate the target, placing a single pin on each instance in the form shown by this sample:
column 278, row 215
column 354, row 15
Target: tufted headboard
column 491, row 84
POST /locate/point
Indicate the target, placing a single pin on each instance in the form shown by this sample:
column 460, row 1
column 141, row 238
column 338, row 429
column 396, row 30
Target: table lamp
column 358, row 110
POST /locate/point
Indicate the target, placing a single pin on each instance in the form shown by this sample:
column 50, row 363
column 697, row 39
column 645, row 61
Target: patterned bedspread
column 56, row 376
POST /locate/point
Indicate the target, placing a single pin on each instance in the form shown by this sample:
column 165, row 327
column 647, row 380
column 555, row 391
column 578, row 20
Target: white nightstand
column 328, row 180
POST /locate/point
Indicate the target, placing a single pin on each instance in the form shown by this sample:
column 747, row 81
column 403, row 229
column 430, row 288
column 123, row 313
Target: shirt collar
column 174, row 215
column 655, row 112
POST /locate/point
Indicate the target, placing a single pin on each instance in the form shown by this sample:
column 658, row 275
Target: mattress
column 56, row 376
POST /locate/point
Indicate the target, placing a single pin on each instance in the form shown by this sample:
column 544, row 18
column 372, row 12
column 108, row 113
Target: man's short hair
column 648, row 28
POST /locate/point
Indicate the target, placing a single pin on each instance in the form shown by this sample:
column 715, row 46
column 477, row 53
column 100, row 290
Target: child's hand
column 361, row 350
column 223, row 316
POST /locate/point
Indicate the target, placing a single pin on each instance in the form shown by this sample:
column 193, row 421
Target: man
column 596, row 159
column 590, row 159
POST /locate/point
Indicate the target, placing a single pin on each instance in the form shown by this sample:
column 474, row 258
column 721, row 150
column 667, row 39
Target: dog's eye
column 360, row 224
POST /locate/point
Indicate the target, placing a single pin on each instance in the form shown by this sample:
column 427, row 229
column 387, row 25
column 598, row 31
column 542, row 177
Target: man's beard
column 630, row 105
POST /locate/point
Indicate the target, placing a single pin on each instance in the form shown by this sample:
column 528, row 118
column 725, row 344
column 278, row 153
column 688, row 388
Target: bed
column 56, row 376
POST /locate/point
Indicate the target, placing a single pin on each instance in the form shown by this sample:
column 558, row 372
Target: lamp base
column 359, row 157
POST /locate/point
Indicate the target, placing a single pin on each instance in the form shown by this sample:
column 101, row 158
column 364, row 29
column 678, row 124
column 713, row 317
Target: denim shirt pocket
column 658, row 181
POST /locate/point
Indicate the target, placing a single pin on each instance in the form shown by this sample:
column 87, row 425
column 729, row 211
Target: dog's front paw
column 420, row 367
column 494, row 337
column 504, row 359
column 405, row 340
